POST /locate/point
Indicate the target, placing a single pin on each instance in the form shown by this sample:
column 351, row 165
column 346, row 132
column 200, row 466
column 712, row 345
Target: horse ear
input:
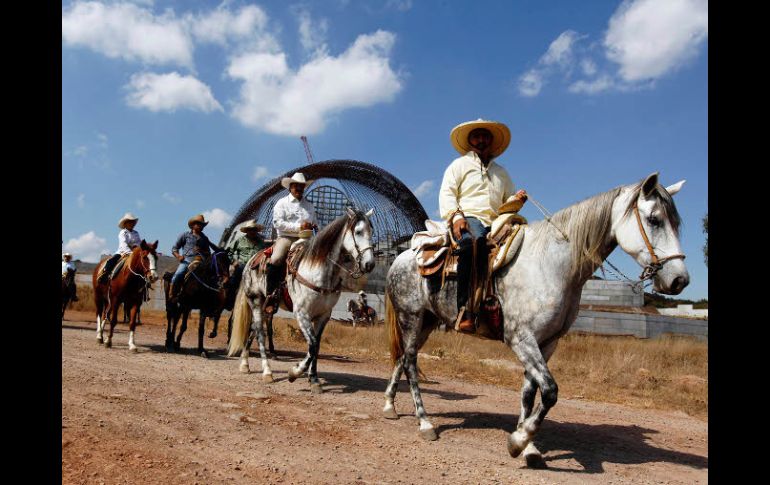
column 370, row 212
column 144, row 245
column 155, row 244
column 649, row 184
column 351, row 212
column 673, row 189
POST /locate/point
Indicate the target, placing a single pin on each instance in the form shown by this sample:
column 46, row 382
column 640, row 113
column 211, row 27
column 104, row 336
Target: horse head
column 358, row 239
column 646, row 226
column 149, row 259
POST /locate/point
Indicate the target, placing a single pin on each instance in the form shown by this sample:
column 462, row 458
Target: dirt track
column 154, row 417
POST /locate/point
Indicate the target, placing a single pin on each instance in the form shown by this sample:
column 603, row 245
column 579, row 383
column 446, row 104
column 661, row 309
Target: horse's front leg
column 306, row 327
column 258, row 329
column 201, row 332
column 213, row 333
column 315, row 384
column 133, row 311
column 389, row 411
column 185, row 315
column 271, row 347
column 536, row 374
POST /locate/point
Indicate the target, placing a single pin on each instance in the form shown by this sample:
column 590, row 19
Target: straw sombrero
column 127, row 217
column 65, row 255
column 297, row 178
column 251, row 226
column 198, row 218
column 501, row 136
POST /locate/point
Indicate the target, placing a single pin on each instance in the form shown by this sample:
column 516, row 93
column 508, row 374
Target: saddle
column 259, row 261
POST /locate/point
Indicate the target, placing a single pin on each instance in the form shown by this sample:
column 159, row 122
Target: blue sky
column 170, row 109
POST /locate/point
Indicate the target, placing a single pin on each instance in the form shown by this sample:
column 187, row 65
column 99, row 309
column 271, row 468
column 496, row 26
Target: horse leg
column 306, row 327
column 99, row 320
column 315, row 384
column 213, row 332
column 229, row 327
column 133, row 310
column 113, row 311
column 178, row 343
column 201, row 332
column 389, row 411
column 258, row 329
column 427, row 431
column 528, row 352
column 271, row 347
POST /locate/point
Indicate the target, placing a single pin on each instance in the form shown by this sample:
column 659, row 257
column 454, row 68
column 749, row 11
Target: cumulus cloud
column 312, row 35
column 559, row 56
column 260, row 172
column 424, row 188
column 649, row 38
column 278, row 100
column 81, row 200
column 224, row 27
column 169, row 92
column 88, row 247
column 598, row 85
column 530, row 83
column 127, row 31
column 80, row 151
column 217, row 218
column 172, row 198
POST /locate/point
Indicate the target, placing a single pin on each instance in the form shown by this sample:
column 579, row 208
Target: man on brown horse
column 472, row 191
column 68, row 270
column 193, row 245
column 292, row 216
column 128, row 239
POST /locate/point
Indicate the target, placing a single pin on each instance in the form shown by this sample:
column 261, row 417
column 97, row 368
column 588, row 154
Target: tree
column 706, row 246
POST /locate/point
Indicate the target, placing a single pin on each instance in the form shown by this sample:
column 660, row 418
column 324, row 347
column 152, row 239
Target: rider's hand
column 458, row 226
column 179, row 258
column 306, row 225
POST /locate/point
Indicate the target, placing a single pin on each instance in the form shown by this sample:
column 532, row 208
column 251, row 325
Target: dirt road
column 155, row 417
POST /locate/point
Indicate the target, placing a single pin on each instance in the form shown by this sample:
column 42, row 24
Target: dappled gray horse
column 540, row 291
column 314, row 289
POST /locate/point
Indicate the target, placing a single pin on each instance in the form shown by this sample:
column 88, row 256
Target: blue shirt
column 192, row 245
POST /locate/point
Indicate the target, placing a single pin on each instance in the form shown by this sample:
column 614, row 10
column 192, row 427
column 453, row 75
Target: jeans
column 180, row 271
column 478, row 233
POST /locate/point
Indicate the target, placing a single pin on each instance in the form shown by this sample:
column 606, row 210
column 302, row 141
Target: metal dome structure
column 338, row 184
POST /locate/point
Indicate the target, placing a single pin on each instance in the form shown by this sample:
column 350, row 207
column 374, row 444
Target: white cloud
column 127, row 31
column 174, row 199
column 87, row 247
column 102, row 139
column 140, row 204
column 424, row 188
column 649, row 38
column 81, row 151
column 401, row 5
column 530, row 83
column 260, row 172
column 277, row 100
column 598, row 85
column 311, row 35
column 222, row 26
column 169, row 92
column 81, row 200
column 217, row 218
column 588, row 67
column 560, row 50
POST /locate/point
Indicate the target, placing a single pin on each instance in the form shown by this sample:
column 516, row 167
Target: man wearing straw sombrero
column 293, row 218
column 473, row 193
column 190, row 245
column 128, row 239
column 244, row 248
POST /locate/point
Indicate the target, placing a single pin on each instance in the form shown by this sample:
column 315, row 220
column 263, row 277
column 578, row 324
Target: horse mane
column 587, row 224
column 322, row 244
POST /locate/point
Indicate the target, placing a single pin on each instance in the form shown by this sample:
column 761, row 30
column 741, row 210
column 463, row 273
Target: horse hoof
column 292, row 375
column 535, row 460
column 428, row 434
column 107, row 344
column 316, row 388
column 244, row 369
column 134, row 349
column 204, row 354
column 213, row 335
column 99, row 340
column 390, row 413
column 514, row 447
column 267, row 377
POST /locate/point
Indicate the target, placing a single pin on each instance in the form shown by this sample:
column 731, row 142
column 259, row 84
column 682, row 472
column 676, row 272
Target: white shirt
column 127, row 239
column 289, row 214
column 476, row 190
column 67, row 265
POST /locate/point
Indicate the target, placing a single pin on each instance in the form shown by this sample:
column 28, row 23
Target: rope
column 547, row 216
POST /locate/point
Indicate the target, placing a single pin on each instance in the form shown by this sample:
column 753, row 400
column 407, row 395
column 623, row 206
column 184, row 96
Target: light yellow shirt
column 475, row 190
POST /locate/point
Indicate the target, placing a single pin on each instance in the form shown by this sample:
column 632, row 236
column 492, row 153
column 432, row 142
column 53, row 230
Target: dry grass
column 665, row 373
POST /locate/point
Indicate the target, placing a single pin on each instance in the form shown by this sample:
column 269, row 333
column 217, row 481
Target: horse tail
column 241, row 323
column 394, row 330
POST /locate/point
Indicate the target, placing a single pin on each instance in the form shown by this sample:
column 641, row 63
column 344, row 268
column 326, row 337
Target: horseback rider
column 292, row 216
column 244, row 248
column 128, row 239
column 473, row 189
column 362, row 301
column 193, row 245
column 67, row 266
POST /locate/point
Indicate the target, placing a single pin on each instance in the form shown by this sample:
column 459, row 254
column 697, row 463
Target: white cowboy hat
column 198, row 218
column 66, row 255
column 297, row 178
column 127, row 217
column 251, row 225
column 501, row 136
column 361, row 292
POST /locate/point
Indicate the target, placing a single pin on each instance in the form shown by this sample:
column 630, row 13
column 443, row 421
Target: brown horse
column 67, row 285
column 129, row 287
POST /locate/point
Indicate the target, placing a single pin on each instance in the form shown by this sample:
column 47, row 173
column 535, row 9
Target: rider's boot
column 107, row 268
column 274, row 273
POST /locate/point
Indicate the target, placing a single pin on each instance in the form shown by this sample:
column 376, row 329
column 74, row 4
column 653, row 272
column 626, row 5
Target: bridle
column 357, row 272
column 147, row 281
column 216, row 269
column 655, row 264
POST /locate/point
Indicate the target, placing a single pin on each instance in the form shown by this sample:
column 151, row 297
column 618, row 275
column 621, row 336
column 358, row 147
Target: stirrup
column 271, row 303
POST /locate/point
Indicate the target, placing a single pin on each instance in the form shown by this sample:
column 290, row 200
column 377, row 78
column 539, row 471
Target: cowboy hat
column 251, row 226
column 297, row 178
column 127, row 217
column 305, row 234
column 511, row 205
column 198, row 218
column 501, row 136
column 66, row 255
column 361, row 292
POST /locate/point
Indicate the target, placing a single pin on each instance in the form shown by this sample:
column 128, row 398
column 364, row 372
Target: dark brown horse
column 203, row 289
column 67, row 286
column 129, row 287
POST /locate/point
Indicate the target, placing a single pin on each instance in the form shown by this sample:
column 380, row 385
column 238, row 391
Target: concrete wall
column 157, row 300
column 610, row 293
column 685, row 311
column 638, row 324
